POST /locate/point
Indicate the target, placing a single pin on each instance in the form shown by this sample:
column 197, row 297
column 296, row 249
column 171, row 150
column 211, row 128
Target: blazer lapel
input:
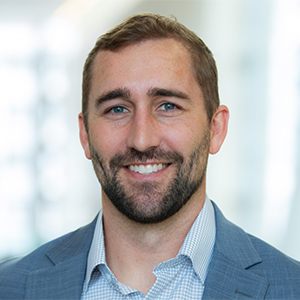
column 229, row 275
column 63, row 280
column 228, row 281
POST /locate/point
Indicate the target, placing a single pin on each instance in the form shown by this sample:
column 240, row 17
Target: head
column 142, row 27
column 151, row 116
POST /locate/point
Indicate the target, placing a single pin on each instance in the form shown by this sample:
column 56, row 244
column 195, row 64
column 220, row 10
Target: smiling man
column 148, row 132
column 150, row 118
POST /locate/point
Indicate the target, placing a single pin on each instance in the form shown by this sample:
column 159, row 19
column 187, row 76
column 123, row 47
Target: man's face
column 149, row 135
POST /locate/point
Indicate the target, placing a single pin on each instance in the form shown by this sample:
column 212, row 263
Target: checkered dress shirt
column 182, row 277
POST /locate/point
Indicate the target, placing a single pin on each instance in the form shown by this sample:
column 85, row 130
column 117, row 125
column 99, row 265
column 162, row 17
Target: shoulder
column 255, row 257
column 33, row 260
column 275, row 264
column 14, row 272
column 281, row 271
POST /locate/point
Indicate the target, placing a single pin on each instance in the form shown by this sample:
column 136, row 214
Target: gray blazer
column 242, row 267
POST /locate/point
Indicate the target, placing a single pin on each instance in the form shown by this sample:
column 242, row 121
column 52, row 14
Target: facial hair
column 150, row 202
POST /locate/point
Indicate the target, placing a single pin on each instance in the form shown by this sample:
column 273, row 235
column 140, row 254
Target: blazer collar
column 229, row 275
column 63, row 280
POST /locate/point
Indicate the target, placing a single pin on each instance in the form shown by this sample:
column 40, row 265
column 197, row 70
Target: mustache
column 133, row 155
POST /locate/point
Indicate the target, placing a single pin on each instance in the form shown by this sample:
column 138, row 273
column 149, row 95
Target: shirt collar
column 97, row 251
column 198, row 244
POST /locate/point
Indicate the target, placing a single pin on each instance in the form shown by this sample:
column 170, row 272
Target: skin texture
column 145, row 107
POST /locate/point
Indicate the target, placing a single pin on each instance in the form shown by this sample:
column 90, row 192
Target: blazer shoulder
column 27, row 263
column 275, row 263
column 282, row 271
column 239, row 251
column 14, row 272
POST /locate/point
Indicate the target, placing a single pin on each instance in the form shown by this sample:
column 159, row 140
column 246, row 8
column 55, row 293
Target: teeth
column 146, row 169
column 142, row 169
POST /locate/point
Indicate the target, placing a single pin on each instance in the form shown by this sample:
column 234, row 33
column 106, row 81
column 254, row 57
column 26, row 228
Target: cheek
column 107, row 141
column 182, row 138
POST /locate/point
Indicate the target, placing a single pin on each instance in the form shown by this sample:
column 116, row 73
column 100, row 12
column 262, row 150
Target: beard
column 151, row 202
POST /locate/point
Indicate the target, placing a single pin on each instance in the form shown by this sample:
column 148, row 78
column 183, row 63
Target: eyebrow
column 118, row 93
column 124, row 93
column 166, row 92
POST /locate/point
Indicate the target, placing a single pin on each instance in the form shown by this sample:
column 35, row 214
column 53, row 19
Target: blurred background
column 48, row 188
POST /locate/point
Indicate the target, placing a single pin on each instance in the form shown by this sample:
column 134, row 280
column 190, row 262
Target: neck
column 134, row 249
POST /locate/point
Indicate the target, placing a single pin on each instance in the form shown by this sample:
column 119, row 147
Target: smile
column 147, row 169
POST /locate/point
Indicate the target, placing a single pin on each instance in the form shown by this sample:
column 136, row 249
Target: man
column 150, row 117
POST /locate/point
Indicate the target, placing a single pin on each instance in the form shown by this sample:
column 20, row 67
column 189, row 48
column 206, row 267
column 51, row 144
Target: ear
column 84, row 139
column 218, row 128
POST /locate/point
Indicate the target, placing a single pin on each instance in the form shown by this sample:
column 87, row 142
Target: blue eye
column 118, row 110
column 168, row 106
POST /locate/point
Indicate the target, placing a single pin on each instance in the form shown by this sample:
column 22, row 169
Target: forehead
column 157, row 63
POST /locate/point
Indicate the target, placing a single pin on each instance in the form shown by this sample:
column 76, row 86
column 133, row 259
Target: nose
column 143, row 132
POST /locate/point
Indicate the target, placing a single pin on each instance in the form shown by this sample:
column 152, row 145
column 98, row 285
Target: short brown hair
column 142, row 27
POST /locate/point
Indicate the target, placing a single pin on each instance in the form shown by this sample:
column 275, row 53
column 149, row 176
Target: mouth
column 146, row 169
